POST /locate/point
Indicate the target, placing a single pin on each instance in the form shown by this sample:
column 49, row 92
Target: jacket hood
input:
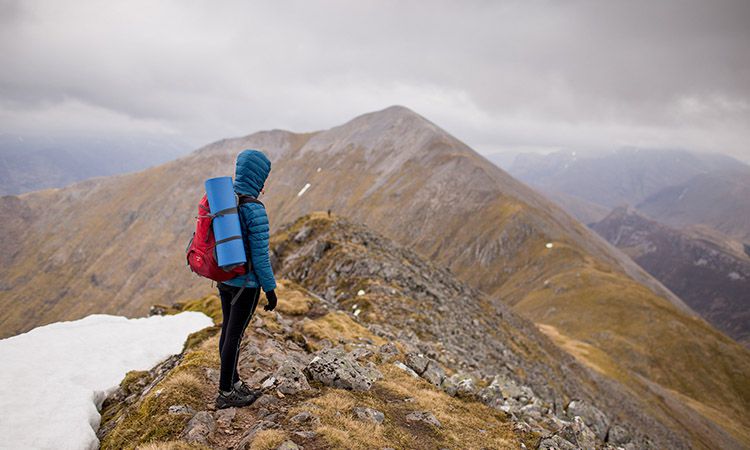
column 253, row 167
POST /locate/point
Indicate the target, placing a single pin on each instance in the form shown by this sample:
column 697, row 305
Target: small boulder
column 425, row 417
column 224, row 417
column 434, row 373
column 288, row 445
column 180, row 409
column 417, row 362
column 618, row 435
column 368, row 414
column 306, row 418
column 555, row 442
column 592, row 417
column 459, row 385
column 200, row 427
column 406, row 369
column 290, row 379
column 578, row 433
column 332, row 367
column 387, row 352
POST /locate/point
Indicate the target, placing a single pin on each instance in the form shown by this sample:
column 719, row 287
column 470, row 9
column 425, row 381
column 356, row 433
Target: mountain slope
column 116, row 245
column 720, row 200
column 32, row 163
column 625, row 176
column 715, row 282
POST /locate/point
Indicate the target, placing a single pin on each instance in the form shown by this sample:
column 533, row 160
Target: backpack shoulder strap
column 249, row 199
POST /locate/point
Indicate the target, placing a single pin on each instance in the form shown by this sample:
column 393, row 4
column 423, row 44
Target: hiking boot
column 246, row 390
column 234, row 399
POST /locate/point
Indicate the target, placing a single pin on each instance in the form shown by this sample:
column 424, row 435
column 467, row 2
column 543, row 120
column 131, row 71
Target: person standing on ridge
column 250, row 176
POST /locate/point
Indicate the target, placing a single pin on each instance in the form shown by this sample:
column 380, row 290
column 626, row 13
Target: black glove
column 271, row 297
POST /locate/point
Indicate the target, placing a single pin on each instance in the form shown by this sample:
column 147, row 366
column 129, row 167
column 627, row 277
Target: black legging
column 236, row 318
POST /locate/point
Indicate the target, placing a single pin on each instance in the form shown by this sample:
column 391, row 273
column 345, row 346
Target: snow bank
column 54, row 378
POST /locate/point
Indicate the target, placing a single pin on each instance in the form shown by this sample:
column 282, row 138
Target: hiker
column 251, row 172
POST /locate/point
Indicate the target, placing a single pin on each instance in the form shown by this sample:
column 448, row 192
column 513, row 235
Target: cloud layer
column 511, row 75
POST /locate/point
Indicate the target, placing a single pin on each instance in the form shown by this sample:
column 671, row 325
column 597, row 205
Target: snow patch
column 303, row 190
column 734, row 276
column 54, row 378
column 549, row 245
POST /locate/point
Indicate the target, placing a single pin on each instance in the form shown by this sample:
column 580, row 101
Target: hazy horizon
column 516, row 76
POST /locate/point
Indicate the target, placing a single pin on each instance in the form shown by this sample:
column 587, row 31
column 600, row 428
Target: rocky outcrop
column 332, row 367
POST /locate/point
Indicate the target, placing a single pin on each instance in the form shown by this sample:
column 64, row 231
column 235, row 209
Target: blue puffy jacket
column 250, row 175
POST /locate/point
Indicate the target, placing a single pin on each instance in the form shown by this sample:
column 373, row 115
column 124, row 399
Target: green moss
column 209, row 305
column 195, row 339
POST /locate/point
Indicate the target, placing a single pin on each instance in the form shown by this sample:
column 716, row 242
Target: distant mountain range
column 115, row 245
column 30, row 163
column 713, row 280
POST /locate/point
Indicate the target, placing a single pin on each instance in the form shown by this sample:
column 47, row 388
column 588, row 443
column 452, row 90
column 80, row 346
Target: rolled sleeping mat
column 230, row 251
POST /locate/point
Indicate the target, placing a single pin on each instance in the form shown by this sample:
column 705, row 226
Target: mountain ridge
column 444, row 201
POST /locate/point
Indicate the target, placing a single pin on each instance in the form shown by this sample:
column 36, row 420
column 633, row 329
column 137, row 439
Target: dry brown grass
column 171, row 445
column 469, row 425
column 338, row 327
column 268, row 439
column 292, row 301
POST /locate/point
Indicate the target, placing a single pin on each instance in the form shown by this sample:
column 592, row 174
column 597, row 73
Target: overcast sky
column 498, row 75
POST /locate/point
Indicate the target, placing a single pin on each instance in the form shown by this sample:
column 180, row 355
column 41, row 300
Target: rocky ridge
column 356, row 361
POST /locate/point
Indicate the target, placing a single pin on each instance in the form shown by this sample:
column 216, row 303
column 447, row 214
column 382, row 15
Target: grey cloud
column 499, row 75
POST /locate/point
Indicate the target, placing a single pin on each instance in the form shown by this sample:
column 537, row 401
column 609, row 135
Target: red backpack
column 201, row 252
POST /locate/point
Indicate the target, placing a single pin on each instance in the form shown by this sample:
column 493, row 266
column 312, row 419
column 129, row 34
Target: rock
column 593, row 417
column 459, row 385
column 406, row 369
column 306, row 418
column 423, row 416
column 288, row 445
column 181, row 409
column 200, row 427
column 578, row 433
column 555, row 443
column 306, row 434
column 248, row 437
column 387, row 352
column 332, row 367
column 434, row 373
column 531, row 410
column 268, row 383
column 618, row 435
column 224, row 417
column 369, row 414
column 417, row 362
column 157, row 310
column 290, row 379
column 265, row 400
column 360, row 353
column 212, row 375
